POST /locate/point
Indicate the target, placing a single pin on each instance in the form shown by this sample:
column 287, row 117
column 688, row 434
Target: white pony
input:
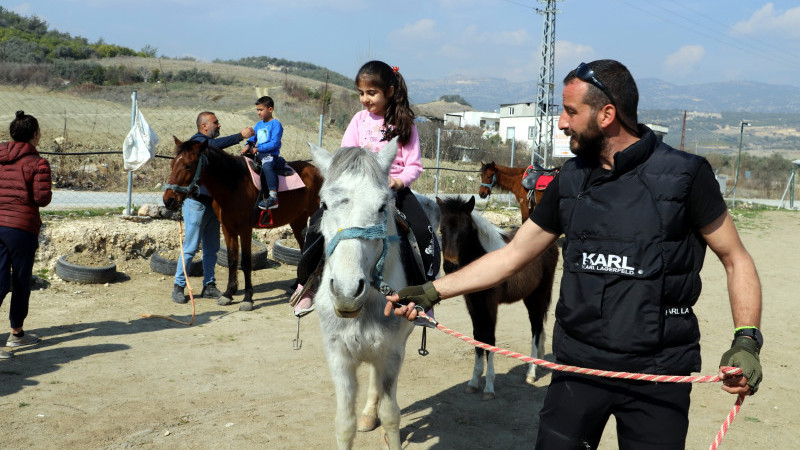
column 362, row 256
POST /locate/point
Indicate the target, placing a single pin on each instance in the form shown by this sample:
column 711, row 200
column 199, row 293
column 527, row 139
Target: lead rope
column 605, row 373
column 186, row 276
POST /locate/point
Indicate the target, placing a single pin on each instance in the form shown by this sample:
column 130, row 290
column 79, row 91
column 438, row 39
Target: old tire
column 165, row 266
column 84, row 274
column 282, row 252
column 258, row 253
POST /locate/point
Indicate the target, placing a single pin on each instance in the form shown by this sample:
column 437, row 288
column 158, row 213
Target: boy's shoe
column 303, row 301
column 263, row 204
column 6, row 355
column 19, row 341
column 177, row 294
column 210, row 291
column 272, row 202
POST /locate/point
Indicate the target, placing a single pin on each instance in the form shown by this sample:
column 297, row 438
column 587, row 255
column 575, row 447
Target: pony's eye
column 382, row 208
column 324, row 206
column 187, row 167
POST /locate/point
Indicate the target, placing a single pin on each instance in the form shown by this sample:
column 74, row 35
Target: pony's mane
column 355, row 160
column 490, row 235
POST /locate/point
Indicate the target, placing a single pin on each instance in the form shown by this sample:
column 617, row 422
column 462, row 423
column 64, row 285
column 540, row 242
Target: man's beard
column 214, row 134
column 587, row 145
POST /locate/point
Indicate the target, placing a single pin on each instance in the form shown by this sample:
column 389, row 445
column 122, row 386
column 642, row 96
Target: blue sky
column 678, row 41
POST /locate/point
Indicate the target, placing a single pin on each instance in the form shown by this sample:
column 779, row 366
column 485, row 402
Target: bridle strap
column 201, row 162
column 377, row 231
column 490, row 186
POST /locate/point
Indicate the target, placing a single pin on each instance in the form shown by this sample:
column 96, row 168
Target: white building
column 487, row 121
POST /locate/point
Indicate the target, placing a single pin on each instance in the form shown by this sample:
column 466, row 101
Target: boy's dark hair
column 266, row 101
column 398, row 112
column 620, row 83
column 23, row 127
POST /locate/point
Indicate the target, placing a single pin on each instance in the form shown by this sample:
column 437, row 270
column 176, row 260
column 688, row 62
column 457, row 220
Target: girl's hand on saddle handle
column 395, row 184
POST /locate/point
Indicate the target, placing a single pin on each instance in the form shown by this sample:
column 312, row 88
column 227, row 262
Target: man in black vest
column 636, row 216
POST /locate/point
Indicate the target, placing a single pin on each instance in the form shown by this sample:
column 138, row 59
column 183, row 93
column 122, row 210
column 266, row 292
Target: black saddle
column 532, row 174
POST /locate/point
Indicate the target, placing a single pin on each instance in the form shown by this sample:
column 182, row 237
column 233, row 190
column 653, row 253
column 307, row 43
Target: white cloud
column 419, row 31
column 770, row 22
column 683, row 61
column 571, row 54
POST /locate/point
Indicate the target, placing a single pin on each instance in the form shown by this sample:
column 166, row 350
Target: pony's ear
column 177, row 141
column 322, row 158
column 439, row 202
column 469, row 205
column 387, row 155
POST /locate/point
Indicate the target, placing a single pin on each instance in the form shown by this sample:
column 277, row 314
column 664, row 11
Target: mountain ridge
column 488, row 93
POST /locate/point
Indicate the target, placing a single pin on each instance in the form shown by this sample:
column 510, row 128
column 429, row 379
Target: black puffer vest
column 631, row 263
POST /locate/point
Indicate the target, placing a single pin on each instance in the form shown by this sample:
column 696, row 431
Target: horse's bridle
column 377, row 231
column 202, row 161
column 490, row 186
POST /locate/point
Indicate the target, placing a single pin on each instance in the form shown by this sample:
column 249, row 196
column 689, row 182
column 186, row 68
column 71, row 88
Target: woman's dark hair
column 23, row 127
column 399, row 118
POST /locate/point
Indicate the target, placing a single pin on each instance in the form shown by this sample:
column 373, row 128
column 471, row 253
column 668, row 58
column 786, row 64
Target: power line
column 736, row 45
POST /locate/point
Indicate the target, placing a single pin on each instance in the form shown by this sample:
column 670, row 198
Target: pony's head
column 488, row 179
column 466, row 235
column 187, row 167
column 357, row 224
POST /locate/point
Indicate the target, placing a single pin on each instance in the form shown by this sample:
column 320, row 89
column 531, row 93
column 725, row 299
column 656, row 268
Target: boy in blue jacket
column 267, row 144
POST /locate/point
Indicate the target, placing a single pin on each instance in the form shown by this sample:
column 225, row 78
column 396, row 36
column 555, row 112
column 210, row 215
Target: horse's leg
column 483, row 312
column 488, row 390
column 247, row 266
column 368, row 420
column 477, row 372
column 536, row 303
column 298, row 230
column 232, row 244
column 343, row 373
column 388, row 409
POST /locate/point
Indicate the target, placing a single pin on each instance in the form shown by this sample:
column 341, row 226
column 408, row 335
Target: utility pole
column 543, row 138
column 742, row 124
column 683, row 131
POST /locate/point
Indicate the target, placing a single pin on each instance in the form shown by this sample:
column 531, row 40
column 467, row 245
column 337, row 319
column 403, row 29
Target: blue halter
column 202, row 161
column 490, row 186
column 377, row 231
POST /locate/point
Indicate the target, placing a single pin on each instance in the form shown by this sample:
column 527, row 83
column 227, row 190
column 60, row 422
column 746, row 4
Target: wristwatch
column 752, row 333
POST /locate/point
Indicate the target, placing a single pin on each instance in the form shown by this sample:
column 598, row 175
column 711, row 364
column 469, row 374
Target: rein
column 202, row 161
column 377, row 231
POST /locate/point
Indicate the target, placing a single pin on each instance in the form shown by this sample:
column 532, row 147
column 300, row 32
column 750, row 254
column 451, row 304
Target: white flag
column 140, row 144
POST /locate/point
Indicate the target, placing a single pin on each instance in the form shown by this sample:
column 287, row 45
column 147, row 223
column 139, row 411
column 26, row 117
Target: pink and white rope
column 605, row 373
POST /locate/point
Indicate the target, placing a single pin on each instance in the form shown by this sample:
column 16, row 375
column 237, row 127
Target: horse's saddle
column 288, row 179
column 410, row 253
column 537, row 177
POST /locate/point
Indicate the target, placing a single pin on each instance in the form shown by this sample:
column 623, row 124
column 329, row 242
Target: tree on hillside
column 455, row 99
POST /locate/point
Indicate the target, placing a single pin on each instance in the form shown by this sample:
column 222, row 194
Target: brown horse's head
column 187, row 167
column 488, row 179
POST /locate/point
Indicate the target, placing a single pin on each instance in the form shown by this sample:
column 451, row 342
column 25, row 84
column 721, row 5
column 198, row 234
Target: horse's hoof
column 367, row 423
column 246, row 306
column 470, row 389
column 531, row 380
column 488, row 396
column 224, row 301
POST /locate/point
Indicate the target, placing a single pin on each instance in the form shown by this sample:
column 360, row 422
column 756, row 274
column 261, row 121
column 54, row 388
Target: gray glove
column 425, row 295
column 744, row 355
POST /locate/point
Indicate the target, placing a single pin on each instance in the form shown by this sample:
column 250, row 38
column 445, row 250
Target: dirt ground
column 105, row 377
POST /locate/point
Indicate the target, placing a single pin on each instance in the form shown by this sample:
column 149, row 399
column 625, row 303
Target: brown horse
column 510, row 179
column 228, row 180
column 466, row 236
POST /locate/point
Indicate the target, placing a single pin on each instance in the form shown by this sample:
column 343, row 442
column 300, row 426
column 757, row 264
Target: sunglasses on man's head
column 586, row 74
